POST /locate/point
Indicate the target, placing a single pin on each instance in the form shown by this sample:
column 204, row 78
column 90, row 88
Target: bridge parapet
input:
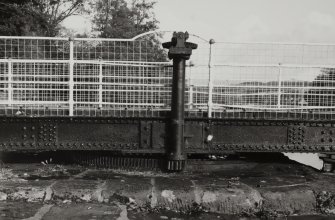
column 133, row 78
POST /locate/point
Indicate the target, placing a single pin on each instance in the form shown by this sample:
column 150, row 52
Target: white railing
column 108, row 77
column 82, row 77
column 263, row 77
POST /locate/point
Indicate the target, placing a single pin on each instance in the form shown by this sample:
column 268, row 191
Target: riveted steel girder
column 149, row 136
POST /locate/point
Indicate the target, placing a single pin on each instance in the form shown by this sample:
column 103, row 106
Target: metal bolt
column 327, row 167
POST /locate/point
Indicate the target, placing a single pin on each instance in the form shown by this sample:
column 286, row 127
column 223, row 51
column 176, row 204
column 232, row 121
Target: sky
column 243, row 20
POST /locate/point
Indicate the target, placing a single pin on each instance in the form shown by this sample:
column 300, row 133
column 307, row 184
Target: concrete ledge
column 265, row 190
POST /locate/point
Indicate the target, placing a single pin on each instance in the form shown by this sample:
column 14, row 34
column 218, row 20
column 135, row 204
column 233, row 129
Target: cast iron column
column 179, row 51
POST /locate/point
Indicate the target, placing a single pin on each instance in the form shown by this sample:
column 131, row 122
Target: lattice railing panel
column 131, row 77
column 34, row 48
column 274, row 53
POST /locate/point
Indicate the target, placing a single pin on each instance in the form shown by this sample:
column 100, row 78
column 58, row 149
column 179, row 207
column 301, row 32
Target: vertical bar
column 210, row 80
column 10, row 81
column 100, row 85
column 71, row 82
column 177, row 109
column 190, row 97
column 279, row 87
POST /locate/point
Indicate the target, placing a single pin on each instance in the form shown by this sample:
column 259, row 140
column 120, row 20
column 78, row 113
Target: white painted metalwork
column 210, row 80
column 71, row 80
column 265, row 77
column 10, row 81
column 44, row 76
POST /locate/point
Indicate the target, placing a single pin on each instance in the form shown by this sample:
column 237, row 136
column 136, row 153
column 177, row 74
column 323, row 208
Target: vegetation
column 117, row 19
column 322, row 97
column 111, row 18
column 36, row 17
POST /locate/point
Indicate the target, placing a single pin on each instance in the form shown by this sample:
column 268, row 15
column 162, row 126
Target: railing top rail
column 33, row 38
column 106, row 62
column 95, row 39
column 275, row 65
column 84, row 39
column 277, row 43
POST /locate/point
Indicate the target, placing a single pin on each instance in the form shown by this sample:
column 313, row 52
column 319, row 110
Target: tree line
column 109, row 18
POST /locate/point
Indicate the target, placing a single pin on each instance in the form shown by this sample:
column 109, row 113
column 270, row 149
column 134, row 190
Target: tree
column 324, row 92
column 118, row 19
column 36, row 17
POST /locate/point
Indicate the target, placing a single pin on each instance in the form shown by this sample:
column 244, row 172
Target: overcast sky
column 245, row 20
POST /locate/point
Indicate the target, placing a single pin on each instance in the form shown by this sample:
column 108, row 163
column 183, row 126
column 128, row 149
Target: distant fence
column 115, row 77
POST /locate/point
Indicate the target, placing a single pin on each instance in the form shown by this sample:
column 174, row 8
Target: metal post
column 210, row 80
column 279, row 87
column 100, row 85
column 71, row 81
column 190, row 97
column 10, row 82
column 179, row 51
column 191, row 87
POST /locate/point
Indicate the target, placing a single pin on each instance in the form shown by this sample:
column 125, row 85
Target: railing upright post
column 100, row 84
column 190, row 97
column 10, row 82
column 210, row 79
column 71, row 81
column 179, row 51
column 279, row 87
